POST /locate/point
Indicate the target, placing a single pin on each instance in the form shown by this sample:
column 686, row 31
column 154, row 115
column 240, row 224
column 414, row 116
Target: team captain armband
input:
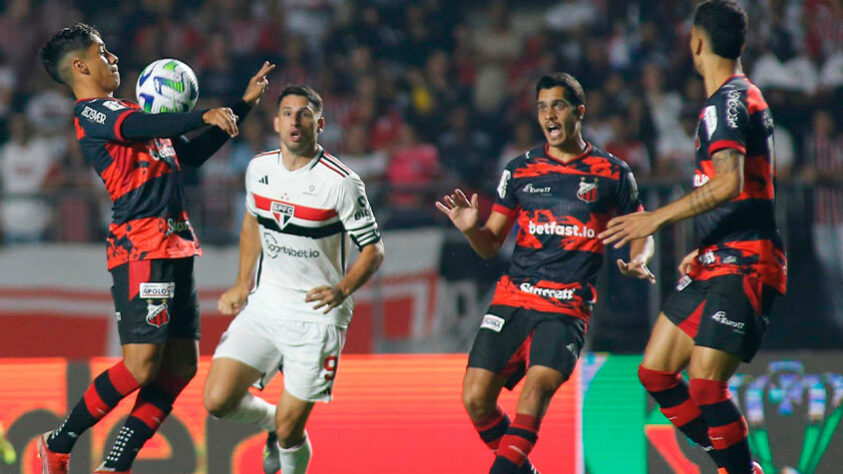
column 356, row 213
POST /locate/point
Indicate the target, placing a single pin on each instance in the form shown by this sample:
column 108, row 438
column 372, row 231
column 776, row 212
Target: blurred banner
column 403, row 414
column 58, row 295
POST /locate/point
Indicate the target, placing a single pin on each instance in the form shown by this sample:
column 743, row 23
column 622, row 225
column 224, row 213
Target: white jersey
column 303, row 217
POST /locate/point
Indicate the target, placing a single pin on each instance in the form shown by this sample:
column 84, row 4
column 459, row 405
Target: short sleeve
column 628, row 199
column 103, row 118
column 356, row 214
column 726, row 121
column 505, row 200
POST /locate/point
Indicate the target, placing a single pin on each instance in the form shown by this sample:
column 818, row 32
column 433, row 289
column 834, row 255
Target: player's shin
column 727, row 427
column 670, row 391
column 516, row 444
column 102, row 395
column 154, row 403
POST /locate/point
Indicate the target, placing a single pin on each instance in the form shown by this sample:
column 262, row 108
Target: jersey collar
column 582, row 155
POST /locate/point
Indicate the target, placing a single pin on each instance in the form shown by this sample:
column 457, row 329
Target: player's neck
column 567, row 150
column 293, row 161
column 82, row 90
column 718, row 70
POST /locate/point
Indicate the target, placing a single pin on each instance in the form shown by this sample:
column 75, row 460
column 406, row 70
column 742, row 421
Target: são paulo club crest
column 282, row 212
column 587, row 191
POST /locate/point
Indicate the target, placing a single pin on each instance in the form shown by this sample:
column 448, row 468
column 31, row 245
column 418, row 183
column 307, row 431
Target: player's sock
column 516, row 444
column 492, row 428
column 252, row 409
column 670, row 391
column 102, row 395
column 295, row 460
column 154, row 403
column 727, row 427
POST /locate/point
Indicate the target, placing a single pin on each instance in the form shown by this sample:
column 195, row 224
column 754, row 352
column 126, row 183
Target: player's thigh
column 502, row 342
column 481, row 387
column 712, row 364
column 669, row 348
column 310, row 358
column 227, row 382
column 247, row 342
column 556, row 344
column 181, row 356
column 540, row 384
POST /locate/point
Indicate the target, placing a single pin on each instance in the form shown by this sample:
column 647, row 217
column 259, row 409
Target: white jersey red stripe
column 304, row 216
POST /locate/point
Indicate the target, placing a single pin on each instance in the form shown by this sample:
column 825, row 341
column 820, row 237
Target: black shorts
column 728, row 313
column 155, row 300
column 511, row 340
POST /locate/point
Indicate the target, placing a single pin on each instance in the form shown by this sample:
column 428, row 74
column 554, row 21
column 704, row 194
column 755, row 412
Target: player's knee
column 217, row 403
column 655, row 380
column 476, row 402
column 289, row 435
column 144, row 371
column 185, row 371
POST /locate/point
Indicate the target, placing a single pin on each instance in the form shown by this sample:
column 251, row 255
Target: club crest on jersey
column 157, row 314
column 282, row 213
column 588, row 191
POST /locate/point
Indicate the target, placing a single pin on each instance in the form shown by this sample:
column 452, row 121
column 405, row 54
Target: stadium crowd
column 419, row 95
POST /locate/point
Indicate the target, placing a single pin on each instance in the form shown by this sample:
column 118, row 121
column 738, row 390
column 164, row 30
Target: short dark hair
column 305, row 91
column 573, row 89
column 725, row 22
column 78, row 37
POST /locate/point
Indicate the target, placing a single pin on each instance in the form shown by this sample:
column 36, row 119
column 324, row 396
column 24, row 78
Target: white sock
column 252, row 409
column 295, row 460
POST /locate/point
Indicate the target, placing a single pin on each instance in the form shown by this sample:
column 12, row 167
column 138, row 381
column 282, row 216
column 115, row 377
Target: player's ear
column 79, row 65
column 320, row 124
column 580, row 111
column 276, row 125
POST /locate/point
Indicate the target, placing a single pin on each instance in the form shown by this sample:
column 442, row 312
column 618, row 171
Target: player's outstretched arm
column 232, row 301
column 198, row 149
column 367, row 263
column 726, row 185
column 465, row 215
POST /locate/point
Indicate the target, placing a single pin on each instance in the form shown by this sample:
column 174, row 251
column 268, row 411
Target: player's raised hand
column 232, row 301
column 328, row 297
column 636, row 268
column 258, row 84
column 224, row 118
column 462, row 212
column 688, row 262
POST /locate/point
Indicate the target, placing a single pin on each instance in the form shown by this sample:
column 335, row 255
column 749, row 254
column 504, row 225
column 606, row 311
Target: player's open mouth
column 553, row 130
column 295, row 134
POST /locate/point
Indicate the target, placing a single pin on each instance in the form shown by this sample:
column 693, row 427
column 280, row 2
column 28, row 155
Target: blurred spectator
column 368, row 163
column 496, row 45
column 466, row 151
column 676, row 158
column 524, row 138
column 26, row 163
column 824, row 168
column 412, row 168
column 625, row 146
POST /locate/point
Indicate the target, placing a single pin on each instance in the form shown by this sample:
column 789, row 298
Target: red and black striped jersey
column 143, row 179
column 560, row 208
column 740, row 236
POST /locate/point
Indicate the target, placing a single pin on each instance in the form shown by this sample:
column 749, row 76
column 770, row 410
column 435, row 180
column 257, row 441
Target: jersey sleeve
column 250, row 198
column 726, row 121
column 505, row 200
column 104, row 118
column 356, row 214
column 628, row 199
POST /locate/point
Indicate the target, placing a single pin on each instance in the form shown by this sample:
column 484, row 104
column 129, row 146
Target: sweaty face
column 102, row 65
column 557, row 117
column 297, row 123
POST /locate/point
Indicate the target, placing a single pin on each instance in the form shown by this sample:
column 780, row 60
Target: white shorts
column 306, row 353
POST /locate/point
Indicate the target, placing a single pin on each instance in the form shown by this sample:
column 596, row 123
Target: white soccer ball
column 167, row 85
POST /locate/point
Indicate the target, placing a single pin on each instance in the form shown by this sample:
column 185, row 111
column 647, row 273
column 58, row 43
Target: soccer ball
column 167, row 85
